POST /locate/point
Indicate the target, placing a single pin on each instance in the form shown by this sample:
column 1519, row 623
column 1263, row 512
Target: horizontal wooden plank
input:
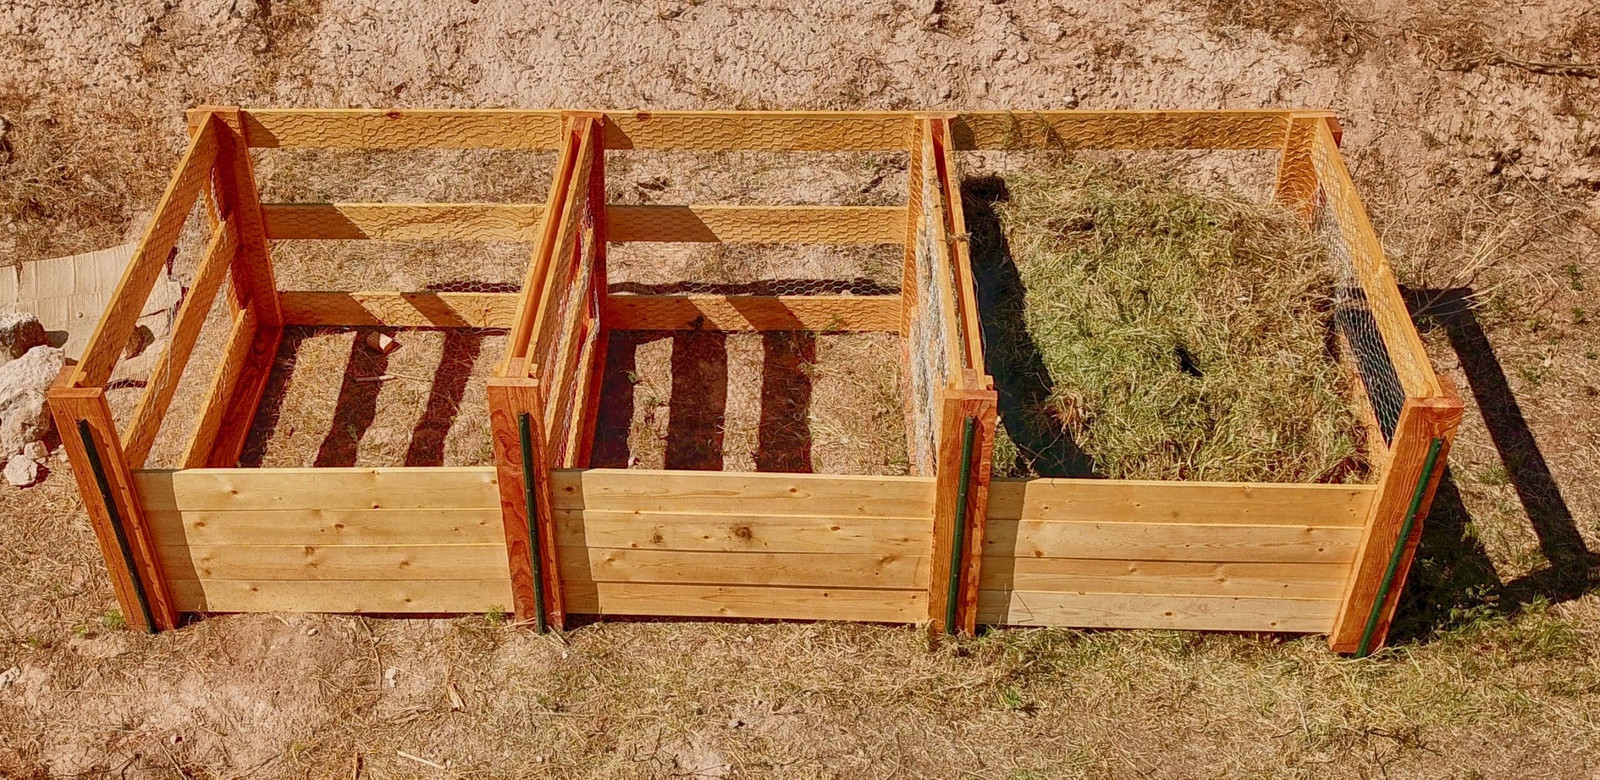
column 1110, row 500
column 318, row 488
column 715, row 492
column 1187, row 578
column 1142, row 130
column 757, row 224
column 399, row 309
column 655, row 530
column 769, row 131
column 335, row 562
column 900, row 571
column 369, row 596
column 403, row 221
column 624, row 598
column 389, row 128
column 318, row 527
column 1117, row 610
column 1170, row 542
column 821, row 313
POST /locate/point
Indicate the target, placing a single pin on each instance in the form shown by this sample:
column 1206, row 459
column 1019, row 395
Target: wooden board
column 400, row 309
column 733, row 532
column 404, row 221
column 317, row 488
column 1135, row 501
column 758, row 224
column 393, row 128
column 322, row 527
column 1119, row 610
column 292, row 563
column 370, row 596
column 768, row 131
column 821, row 313
column 625, row 598
column 1187, row 578
column 1171, row 541
column 1134, row 130
column 825, row 570
column 815, row 495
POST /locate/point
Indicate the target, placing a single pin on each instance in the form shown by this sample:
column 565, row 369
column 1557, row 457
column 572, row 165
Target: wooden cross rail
column 948, row 546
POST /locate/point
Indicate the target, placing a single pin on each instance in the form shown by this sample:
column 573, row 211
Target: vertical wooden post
column 1417, row 459
column 915, row 183
column 1297, row 175
column 598, row 290
column 515, row 403
column 961, row 501
column 84, row 421
column 254, row 283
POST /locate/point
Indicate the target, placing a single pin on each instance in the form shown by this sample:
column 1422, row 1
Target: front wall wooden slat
column 898, row 571
column 321, row 527
column 1119, row 610
column 369, row 596
column 640, row 490
column 1188, row 578
column 321, row 488
column 821, row 313
column 1108, row 500
column 713, row 532
column 1171, row 542
column 335, row 562
column 624, row 598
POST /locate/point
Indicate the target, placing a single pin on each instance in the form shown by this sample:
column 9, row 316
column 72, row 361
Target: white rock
column 36, row 451
column 19, row 332
column 24, row 416
column 21, row 472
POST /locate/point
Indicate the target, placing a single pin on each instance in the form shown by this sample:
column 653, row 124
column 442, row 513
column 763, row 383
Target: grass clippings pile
column 1181, row 334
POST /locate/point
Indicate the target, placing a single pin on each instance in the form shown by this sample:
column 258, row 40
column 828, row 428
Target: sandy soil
column 1472, row 130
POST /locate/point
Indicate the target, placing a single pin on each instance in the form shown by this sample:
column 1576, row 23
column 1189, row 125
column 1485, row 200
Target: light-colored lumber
column 680, row 567
column 68, row 407
column 741, row 533
column 758, row 224
column 168, row 371
column 816, row 495
column 1135, row 501
column 765, row 131
column 322, row 527
column 1133, row 130
column 400, row 309
column 575, row 145
column 213, row 408
column 626, row 598
column 1118, row 610
column 511, row 400
column 821, row 313
column 220, row 489
column 349, row 596
column 111, row 335
column 1171, row 541
column 404, row 221
column 1297, row 175
column 394, row 128
column 1405, row 480
column 290, row 563
column 1188, row 578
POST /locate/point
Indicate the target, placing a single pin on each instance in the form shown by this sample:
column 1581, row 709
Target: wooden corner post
column 523, row 469
column 89, row 435
column 1416, row 462
column 961, row 503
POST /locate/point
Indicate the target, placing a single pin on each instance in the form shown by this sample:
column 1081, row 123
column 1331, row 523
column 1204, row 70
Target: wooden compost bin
column 545, row 536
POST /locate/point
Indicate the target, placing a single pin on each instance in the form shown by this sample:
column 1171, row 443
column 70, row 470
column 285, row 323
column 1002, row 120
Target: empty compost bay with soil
column 1139, row 327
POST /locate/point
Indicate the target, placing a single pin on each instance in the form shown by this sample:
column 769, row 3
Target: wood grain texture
column 145, row 423
column 323, row 527
column 730, row 601
column 680, row 567
column 404, row 221
column 214, row 406
column 768, row 131
column 1421, row 421
column 520, row 340
column 232, row 490
column 1135, row 501
column 401, row 128
column 347, row 596
column 1171, row 541
column 149, row 260
column 1120, row 610
column 1180, row 578
column 758, row 224
column 254, row 285
column 964, row 285
column 815, row 495
column 741, row 533
column 1133, row 130
column 1297, row 175
column 69, row 406
column 957, row 406
column 820, row 313
column 240, row 410
column 510, row 399
column 400, row 309
column 297, row 563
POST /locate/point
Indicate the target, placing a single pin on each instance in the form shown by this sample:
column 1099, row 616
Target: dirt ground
column 1473, row 129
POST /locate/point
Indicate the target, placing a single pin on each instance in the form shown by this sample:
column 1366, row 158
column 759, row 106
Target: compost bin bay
column 544, row 534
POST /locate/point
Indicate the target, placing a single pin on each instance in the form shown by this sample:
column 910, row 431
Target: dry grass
column 1182, row 335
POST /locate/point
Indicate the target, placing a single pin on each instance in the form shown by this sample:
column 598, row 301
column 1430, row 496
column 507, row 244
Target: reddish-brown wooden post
column 1417, row 458
column 961, row 504
column 515, row 409
column 89, row 436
